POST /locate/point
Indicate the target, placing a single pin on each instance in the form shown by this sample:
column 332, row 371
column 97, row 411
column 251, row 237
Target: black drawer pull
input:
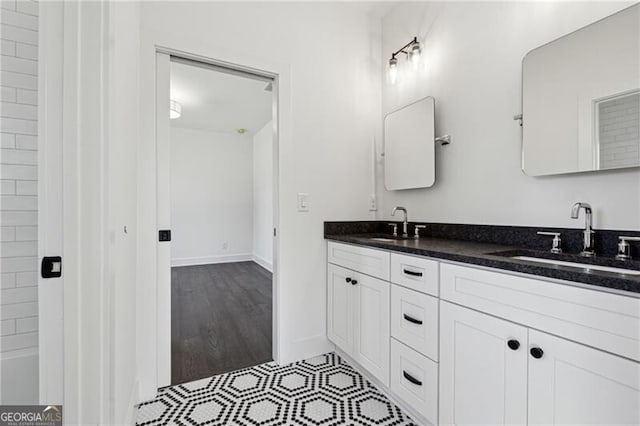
column 412, row 379
column 348, row 279
column 411, row 319
column 536, row 352
column 354, row 282
column 415, row 274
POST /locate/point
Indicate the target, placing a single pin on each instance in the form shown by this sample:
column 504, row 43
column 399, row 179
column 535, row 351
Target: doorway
column 219, row 192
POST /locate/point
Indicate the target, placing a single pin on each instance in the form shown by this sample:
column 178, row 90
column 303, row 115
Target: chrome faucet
column 587, row 247
column 405, row 223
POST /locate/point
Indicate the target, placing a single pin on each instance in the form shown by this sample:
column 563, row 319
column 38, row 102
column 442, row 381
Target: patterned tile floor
column 320, row 391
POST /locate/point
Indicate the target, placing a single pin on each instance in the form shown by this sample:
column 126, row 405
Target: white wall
column 472, row 66
column 263, row 196
column 328, row 107
column 19, row 203
column 211, row 197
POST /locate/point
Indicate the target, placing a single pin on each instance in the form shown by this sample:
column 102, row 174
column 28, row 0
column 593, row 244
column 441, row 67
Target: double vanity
column 469, row 324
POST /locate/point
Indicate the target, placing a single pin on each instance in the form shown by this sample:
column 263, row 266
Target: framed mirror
column 409, row 146
column 581, row 99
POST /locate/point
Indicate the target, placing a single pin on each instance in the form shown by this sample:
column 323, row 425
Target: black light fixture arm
column 401, row 50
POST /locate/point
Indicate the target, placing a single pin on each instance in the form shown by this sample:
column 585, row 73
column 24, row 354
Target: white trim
column 132, row 408
column 262, row 262
column 211, row 260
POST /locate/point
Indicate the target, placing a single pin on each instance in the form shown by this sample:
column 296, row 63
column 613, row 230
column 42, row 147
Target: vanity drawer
column 414, row 320
column 417, row 273
column 414, row 378
column 596, row 318
column 368, row 261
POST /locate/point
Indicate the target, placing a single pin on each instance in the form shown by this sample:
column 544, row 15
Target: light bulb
column 393, row 70
column 414, row 53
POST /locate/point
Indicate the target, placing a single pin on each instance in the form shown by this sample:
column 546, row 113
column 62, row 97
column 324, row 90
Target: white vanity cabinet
column 457, row 344
column 358, row 308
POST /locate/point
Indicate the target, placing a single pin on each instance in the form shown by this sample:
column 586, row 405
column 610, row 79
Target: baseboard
column 415, row 416
column 208, row 260
column 262, row 262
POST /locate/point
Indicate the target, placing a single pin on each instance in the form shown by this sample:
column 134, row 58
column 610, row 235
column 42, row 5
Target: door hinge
column 51, row 267
column 164, row 235
column 275, row 234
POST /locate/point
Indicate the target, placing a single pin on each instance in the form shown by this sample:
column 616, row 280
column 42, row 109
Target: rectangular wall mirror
column 409, row 146
column 581, row 99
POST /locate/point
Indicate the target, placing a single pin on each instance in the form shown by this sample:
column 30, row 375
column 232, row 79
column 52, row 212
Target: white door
column 372, row 325
column 340, row 308
column 570, row 383
column 483, row 369
column 163, row 253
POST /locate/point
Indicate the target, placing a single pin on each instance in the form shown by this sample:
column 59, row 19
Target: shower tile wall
column 18, row 201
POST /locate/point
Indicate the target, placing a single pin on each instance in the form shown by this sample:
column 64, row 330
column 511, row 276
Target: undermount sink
column 586, row 266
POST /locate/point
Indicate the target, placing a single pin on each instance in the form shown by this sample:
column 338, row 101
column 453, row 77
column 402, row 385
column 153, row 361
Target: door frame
column 162, row 172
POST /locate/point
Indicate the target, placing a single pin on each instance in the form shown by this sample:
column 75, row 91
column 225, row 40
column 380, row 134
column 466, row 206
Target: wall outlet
column 303, row 202
column 373, row 203
column 225, row 245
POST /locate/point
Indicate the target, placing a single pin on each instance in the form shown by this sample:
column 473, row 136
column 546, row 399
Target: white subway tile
column 8, row 94
column 21, row 65
column 15, row 79
column 15, row 125
column 19, row 264
column 8, row 327
column 19, row 310
column 18, row 19
column 19, row 249
column 26, row 233
column 19, row 156
column 27, row 279
column 14, row 110
column 11, row 32
column 8, row 4
column 26, row 325
column 26, row 96
column 27, row 142
column 18, row 295
column 19, row 218
column 7, row 280
column 27, row 51
column 12, row 171
column 26, row 187
column 27, row 6
column 18, row 202
column 18, row 341
column 8, row 187
column 8, row 47
column 7, row 233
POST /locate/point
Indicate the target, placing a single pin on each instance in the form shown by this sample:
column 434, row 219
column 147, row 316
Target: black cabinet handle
column 354, row 282
column 348, row 279
column 536, row 352
column 412, row 379
column 415, row 274
column 513, row 344
column 411, row 319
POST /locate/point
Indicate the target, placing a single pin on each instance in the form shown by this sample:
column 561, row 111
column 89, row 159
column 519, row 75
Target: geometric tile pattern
column 323, row 390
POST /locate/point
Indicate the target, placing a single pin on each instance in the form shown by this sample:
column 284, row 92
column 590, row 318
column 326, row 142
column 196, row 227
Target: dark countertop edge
column 622, row 286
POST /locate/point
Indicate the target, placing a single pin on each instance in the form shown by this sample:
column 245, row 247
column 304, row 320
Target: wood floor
column 220, row 319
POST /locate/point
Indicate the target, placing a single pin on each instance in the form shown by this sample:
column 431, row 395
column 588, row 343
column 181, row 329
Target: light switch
column 303, row 202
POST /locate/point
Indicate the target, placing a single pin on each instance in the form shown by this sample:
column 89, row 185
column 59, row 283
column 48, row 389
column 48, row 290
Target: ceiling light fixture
column 412, row 50
column 175, row 109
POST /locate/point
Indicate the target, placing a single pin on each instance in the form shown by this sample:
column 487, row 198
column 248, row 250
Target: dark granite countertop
column 499, row 256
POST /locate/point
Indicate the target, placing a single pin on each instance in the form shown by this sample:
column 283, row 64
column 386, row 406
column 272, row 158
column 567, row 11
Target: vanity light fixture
column 175, row 109
column 412, row 50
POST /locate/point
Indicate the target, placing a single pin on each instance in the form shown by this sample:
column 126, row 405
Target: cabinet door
column 575, row 384
column 340, row 307
column 372, row 326
column 482, row 379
